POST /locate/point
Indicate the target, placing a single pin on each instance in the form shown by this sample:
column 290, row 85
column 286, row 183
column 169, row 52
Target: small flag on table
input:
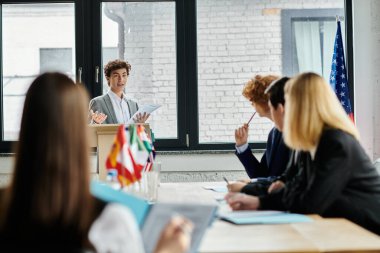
column 128, row 155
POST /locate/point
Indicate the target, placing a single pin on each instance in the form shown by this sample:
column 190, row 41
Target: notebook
column 153, row 217
column 263, row 217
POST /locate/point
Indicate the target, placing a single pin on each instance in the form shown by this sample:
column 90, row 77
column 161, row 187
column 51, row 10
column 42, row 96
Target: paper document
column 263, row 217
column 143, row 109
column 200, row 215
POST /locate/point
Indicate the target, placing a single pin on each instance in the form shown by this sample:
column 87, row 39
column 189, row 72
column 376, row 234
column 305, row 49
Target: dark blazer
column 341, row 181
column 274, row 160
column 103, row 104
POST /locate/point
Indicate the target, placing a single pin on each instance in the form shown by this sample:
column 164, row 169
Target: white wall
column 366, row 14
column 175, row 166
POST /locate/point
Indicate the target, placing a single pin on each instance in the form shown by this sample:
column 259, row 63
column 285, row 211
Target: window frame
column 88, row 56
column 79, row 5
column 288, row 43
column 287, row 15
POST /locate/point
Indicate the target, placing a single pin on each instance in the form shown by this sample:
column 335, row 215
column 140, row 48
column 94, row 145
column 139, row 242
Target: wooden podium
column 102, row 138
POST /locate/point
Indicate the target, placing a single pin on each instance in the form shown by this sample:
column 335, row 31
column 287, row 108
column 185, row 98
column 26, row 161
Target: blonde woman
column 335, row 177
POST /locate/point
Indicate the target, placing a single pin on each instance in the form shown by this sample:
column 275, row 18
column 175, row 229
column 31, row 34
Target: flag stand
column 102, row 137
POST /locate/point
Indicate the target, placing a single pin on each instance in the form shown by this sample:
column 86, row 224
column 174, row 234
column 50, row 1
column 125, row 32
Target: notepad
column 152, row 218
column 263, row 217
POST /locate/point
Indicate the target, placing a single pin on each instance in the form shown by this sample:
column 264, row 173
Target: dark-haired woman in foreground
column 48, row 205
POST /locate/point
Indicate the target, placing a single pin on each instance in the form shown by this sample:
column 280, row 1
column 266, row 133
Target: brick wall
column 236, row 39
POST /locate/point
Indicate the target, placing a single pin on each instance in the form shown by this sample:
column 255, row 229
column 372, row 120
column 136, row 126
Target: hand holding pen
column 241, row 134
column 228, row 183
column 234, row 186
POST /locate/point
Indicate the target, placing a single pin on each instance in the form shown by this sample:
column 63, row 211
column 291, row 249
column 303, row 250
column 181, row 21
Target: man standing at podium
column 114, row 107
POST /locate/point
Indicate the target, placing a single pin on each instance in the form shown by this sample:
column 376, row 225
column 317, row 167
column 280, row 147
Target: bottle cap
column 112, row 172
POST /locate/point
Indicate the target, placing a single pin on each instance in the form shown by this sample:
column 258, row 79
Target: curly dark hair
column 254, row 89
column 116, row 64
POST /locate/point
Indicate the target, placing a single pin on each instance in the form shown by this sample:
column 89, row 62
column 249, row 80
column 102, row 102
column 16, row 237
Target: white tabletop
column 321, row 235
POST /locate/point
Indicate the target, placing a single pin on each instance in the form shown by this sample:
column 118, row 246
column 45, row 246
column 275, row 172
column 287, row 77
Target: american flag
column 338, row 76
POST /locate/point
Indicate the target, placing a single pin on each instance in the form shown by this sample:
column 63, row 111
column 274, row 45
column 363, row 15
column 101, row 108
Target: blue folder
column 138, row 206
column 266, row 217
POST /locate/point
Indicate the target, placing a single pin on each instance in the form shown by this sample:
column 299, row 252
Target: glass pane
column 29, row 50
column 144, row 35
column 238, row 39
column 314, row 45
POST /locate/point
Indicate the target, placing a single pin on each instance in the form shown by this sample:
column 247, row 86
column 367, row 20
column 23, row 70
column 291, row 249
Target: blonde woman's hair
column 311, row 106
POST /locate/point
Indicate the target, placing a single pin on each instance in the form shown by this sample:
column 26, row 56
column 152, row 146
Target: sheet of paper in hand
column 143, row 109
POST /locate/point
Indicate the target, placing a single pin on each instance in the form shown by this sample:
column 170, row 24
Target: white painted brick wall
column 236, row 39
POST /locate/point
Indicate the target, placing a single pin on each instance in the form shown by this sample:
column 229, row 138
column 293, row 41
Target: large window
column 144, row 35
column 28, row 50
column 192, row 57
column 238, row 39
column 307, row 40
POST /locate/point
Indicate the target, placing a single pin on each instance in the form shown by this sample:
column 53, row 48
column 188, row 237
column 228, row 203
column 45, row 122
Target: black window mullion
column 192, row 73
column 5, row 146
column 95, row 27
column 83, row 42
column 349, row 51
column 182, row 75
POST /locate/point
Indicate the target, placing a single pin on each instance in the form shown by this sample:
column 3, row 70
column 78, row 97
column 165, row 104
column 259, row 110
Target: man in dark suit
column 276, row 155
column 114, row 107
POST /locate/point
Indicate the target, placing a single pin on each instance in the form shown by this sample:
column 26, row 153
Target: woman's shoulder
column 337, row 135
column 115, row 211
column 110, row 229
column 336, row 139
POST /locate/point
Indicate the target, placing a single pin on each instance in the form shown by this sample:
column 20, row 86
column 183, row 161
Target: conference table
column 320, row 235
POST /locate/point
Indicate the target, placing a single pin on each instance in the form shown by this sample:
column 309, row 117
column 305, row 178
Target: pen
column 225, row 179
column 251, row 118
